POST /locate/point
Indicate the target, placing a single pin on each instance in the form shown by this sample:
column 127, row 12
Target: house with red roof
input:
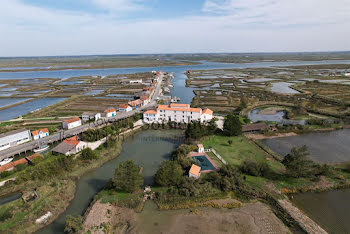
column 70, row 146
column 39, row 134
column 135, row 103
column 71, row 123
column 125, row 108
column 179, row 113
column 195, row 171
column 110, row 112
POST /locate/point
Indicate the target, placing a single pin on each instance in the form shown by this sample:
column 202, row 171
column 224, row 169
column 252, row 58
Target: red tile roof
column 75, row 119
column 188, row 109
column 176, row 105
column 207, row 111
column 151, row 112
column 135, row 102
column 123, row 106
column 37, row 132
column 195, row 170
column 110, row 110
column 73, row 141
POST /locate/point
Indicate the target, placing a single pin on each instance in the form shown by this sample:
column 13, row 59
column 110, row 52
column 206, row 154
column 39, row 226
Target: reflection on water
column 10, row 101
column 324, row 147
column 328, row 209
column 255, row 116
column 22, row 109
column 283, row 87
column 9, row 198
column 148, row 149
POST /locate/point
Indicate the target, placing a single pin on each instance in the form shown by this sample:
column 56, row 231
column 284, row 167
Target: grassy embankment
column 55, row 191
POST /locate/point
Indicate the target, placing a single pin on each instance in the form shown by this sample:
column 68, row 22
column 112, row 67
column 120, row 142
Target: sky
column 84, row 27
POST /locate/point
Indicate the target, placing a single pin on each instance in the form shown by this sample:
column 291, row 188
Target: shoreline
column 102, row 67
column 75, row 178
column 71, row 181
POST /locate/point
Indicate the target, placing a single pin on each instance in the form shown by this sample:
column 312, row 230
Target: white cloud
column 282, row 12
column 33, row 30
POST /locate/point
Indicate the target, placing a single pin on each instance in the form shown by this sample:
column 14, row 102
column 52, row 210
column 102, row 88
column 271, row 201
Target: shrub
column 88, row 154
column 232, row 125
column 255, row 168
column 7, row 214
column 169, row 174
column 73, row 224
column 127, row 177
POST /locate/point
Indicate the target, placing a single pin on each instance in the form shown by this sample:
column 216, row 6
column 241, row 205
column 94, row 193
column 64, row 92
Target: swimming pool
column 205, row 163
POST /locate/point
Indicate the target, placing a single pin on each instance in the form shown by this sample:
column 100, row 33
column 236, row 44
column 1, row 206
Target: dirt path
column 304, row 221
column 262, row 137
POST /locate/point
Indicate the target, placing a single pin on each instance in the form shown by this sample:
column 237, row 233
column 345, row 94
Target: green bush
column 88, row 154
column 169, row 174
column 7, row 214
column 127, row 177
column 255, row 168
column 73, row 224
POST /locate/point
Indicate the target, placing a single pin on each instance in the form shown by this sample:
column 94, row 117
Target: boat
column 41, row 148
column 6, row 161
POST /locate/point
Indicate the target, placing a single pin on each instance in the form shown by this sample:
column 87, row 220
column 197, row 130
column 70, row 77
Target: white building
column 125, row 108
column 180, row 113
column 14, row 138
column 150, row 116
column 86, row 116
column 70, row 146
column 195, row 172
column 110, row 112
column 347, row 74
column 71, row 123
column 39, row 134
column 200, row 148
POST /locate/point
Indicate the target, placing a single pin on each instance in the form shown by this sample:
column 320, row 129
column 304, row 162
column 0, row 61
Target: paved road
column 75, row 131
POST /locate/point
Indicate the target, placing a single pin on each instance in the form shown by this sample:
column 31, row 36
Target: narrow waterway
column 147, row 149
column 328, row 209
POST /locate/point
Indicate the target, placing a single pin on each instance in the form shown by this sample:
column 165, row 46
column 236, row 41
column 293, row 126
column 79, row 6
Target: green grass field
column 241, row 149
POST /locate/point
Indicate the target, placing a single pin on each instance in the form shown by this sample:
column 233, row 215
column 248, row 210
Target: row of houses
column 20, row 136
column 180, row 113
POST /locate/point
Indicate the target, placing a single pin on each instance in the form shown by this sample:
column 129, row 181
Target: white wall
column 14, row 139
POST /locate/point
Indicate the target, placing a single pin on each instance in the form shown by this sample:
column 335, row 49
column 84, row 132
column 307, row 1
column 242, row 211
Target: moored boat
column 6, row 161
column 41, row 148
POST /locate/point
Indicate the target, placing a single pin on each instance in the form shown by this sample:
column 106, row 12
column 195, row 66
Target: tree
column 73, row 224
column 232, row 125
column 127, row 177
column 169, row 173
column 194, row 130
column 298, row 164
column 88, row 154
column 255, row 168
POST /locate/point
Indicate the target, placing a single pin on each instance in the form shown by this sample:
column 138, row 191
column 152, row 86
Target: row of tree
column 232, row 127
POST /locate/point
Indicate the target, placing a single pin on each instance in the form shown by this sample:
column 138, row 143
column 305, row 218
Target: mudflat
column 250, row 218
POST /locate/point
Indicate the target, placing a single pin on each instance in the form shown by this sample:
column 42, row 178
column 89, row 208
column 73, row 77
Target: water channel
column 147, row 149
column 149, row 153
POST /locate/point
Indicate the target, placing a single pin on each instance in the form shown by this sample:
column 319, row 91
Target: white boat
column 41, row 148
column 6, row 161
